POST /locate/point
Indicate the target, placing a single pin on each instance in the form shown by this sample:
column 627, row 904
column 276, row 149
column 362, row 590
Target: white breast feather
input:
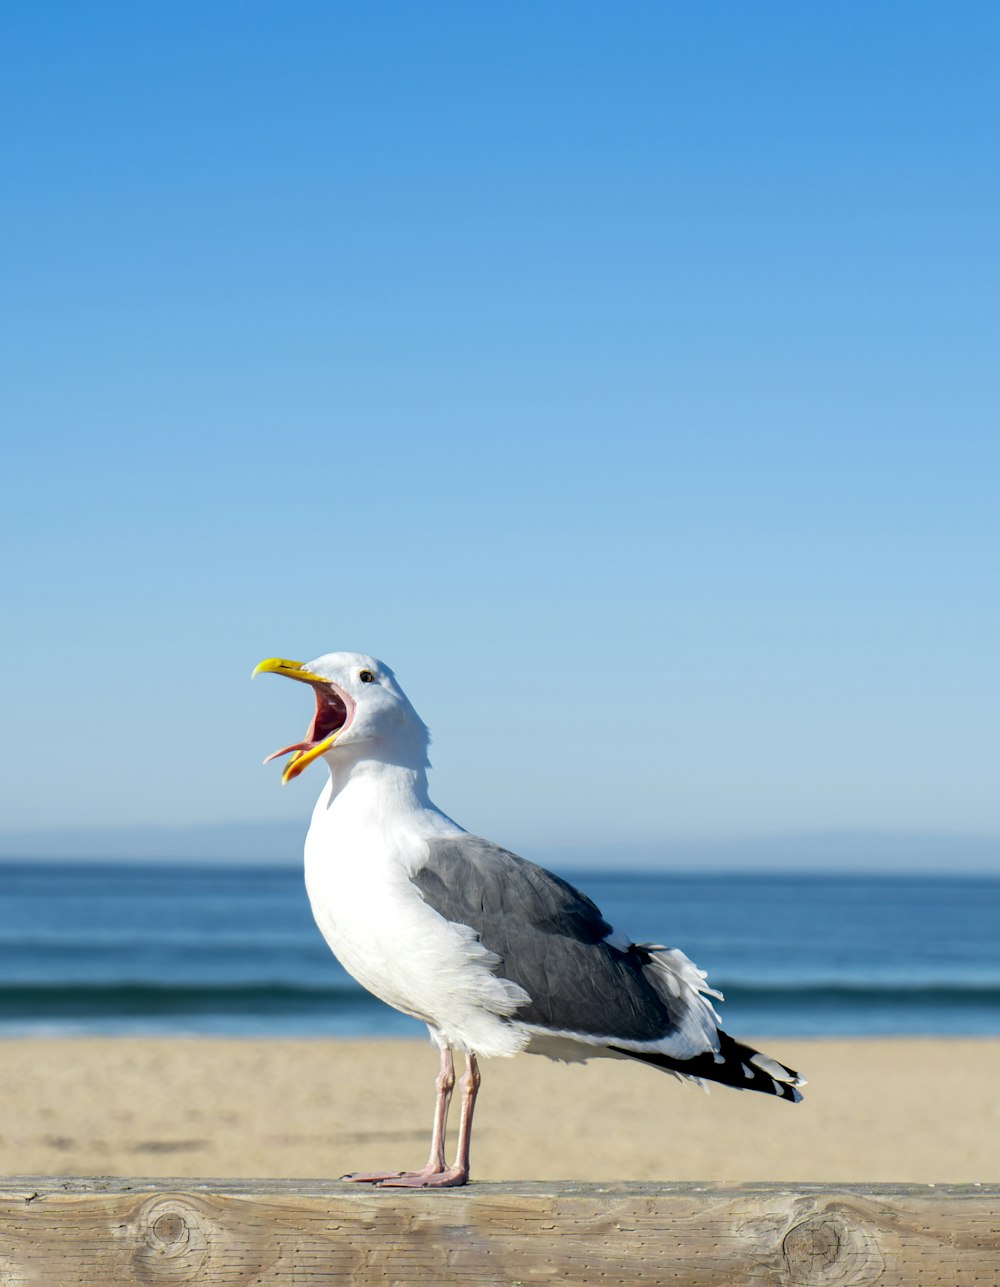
column 404, row 952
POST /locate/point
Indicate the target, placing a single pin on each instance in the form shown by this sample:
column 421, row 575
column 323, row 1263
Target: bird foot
column 372, row 1177
column 450, row 1179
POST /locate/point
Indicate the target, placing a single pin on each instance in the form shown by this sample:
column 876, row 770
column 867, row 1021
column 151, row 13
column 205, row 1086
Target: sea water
column 156, row 948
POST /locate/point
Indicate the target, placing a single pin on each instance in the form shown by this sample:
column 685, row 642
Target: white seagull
column 494, row 954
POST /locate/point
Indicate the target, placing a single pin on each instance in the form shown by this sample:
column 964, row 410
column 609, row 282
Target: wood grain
column 114, row 1233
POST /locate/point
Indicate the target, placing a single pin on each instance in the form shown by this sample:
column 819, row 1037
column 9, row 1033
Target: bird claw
column 450, row 1179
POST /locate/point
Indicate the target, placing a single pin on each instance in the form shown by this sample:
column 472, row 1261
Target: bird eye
column 366, row 677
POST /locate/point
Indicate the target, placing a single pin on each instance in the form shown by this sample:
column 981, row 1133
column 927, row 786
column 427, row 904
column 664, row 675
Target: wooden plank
column 273, row 1233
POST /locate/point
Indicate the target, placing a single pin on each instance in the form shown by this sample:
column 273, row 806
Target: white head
column 359, row 705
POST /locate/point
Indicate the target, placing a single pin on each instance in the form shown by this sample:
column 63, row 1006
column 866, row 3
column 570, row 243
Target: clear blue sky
column 625, row 376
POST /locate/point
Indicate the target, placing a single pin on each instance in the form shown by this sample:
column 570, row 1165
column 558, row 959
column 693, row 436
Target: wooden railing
column 275, row 1233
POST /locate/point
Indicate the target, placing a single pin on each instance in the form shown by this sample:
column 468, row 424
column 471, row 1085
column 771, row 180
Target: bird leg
column 445, row 1084
column 459, row 1173
column 471, row 1079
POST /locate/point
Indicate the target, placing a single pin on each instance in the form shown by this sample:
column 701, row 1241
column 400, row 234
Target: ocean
column 143, row 948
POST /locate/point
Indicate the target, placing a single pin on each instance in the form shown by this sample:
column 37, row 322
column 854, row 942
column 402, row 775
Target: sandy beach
column 921, row 1110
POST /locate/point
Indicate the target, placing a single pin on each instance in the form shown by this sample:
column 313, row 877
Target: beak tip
column 283, row 666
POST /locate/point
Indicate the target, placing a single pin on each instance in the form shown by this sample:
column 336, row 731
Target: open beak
column 334, row 711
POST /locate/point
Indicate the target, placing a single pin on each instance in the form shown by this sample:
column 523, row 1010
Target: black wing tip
column 733, row 1064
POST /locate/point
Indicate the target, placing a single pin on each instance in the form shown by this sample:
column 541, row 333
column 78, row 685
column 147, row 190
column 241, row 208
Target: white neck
column 365, row 792
column 371, row 774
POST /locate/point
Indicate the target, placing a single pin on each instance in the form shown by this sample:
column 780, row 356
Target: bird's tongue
column 296, row 746
column 303, row 754
column 331, row 715
column 313, row 735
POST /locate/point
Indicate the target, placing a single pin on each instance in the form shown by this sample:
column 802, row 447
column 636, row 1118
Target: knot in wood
column 812, row 1245
column 173, row 1242
column 169, row 1227
column 825, row 1250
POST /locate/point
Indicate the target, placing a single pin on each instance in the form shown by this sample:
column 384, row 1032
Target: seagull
column 495, row 954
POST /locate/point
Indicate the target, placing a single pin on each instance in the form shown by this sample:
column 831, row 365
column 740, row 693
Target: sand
column 920, row 1110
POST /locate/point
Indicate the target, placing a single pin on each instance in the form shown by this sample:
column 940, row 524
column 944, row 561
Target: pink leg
column 459, row 1173
column 445, row 1084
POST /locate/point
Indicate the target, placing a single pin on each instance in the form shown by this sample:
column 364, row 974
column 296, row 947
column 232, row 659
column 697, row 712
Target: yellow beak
column 301, row 759
column 282, row 666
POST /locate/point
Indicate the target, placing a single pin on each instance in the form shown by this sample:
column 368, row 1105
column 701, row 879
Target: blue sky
column 624, row 376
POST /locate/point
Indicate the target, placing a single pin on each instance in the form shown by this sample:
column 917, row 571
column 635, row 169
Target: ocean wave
column 100, row 1000
column 40, row 1001
column 849, row 989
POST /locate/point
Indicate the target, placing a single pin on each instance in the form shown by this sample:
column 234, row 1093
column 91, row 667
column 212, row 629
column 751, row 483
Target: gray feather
column 551, row 941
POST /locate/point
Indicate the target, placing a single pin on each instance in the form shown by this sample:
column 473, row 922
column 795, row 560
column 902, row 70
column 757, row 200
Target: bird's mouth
column 334, row 711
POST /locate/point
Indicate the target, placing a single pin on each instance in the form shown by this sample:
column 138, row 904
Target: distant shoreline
column 841, row 851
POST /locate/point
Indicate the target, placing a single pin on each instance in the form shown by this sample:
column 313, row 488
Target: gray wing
column 552, row 942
